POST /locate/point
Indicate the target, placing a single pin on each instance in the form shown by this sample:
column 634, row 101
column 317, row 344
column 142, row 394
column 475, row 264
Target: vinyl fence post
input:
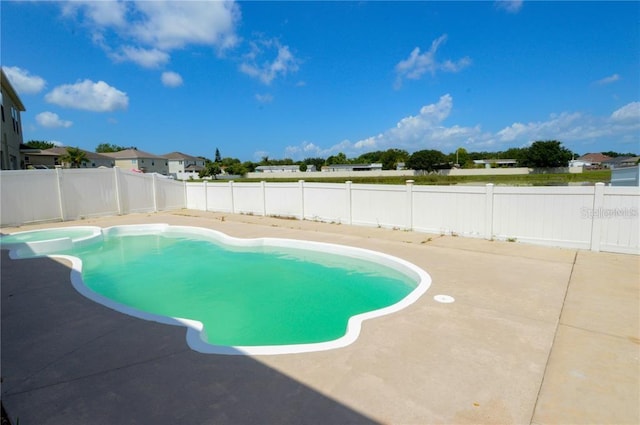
column 60, row 193
column 154, row 185
column 116, row 176
column 596, row 218
column 409, row 204
column 233, row 207
column 301, row 184
column 263, row 187
column 186, row 197
column 349, row 209
column 206, row 196
column 488, row 212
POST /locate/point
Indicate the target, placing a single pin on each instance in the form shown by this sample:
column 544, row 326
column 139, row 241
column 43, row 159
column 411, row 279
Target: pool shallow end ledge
column 196, row 334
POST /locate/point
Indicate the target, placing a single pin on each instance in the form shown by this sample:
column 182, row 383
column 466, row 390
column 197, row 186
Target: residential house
column 133, row 159
column 621, row 162
column 277, row 169
column 11, row 134
column 183, row 166
column 50, row 158
column 590, row 160
column 495, row 163
column 352, row 167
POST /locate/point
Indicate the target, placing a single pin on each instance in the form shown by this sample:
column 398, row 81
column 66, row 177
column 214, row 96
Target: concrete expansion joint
column 555, row 334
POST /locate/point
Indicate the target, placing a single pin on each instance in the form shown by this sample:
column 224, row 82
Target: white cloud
column 267, row 71
column 553, row 128
column 260, row 154
column 51, row 120
column 171, row 79
column 149, row 30
column 23, row 81
column 100, row 13
column 422, row 131
column 305, row 150
column 264, row 98
column 174, row 24
column 608, row 80
column 629, row 112
column 511, row 6
column 427, row 130
column 147, row 58
column 87, row 95
column 417, row 64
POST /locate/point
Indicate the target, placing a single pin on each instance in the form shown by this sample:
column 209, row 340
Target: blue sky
column 307, row 79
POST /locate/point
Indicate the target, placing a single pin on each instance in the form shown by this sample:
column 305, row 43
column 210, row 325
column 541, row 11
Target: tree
column 613, row 154
column 548, row 153
column 218, row 158
column 40, row 144
column 75, row 157
column 303, row 167
column 391, row 157
column 519, row 154
column 318, row 162
column 340, row 158
column 250, row 166
column 211, row 169
column 108, row 147
column 427, row 160
column 369, row 157
column 237, row 169
column 460, row 156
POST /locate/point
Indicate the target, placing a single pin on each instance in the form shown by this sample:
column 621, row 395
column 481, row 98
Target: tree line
column 540, row 154
column 548, row 153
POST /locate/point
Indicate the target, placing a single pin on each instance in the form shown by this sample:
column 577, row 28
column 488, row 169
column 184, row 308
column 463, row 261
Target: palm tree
column 75, row 157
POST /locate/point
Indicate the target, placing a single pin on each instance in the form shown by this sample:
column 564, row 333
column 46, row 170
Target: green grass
column 590, row 177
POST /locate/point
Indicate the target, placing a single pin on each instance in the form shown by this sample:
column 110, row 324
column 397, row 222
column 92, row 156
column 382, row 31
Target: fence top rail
column 622, row 190
column 377, row 187
column 451, row 189
column 544, row 190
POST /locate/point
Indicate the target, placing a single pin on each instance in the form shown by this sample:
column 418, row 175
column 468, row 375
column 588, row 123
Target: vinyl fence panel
column 29, row 196
column 379, row 205
column 88, row 193
column 327, row 202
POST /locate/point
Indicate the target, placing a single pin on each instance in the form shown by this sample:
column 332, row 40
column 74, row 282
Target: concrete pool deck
column 536, row 335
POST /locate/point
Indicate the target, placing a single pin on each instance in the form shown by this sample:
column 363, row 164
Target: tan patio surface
column 536, row 335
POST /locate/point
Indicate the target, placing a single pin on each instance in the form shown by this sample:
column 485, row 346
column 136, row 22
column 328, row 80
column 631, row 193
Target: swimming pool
column 240, row 296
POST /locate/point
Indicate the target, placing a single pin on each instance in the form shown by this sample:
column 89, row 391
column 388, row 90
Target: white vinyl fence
column 599, row 218
column 30, row 196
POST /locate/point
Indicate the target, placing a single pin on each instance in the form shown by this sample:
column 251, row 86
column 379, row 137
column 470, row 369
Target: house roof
column 495, row 161
column 193, row 167
column 10, row 91
column 347, row 166
column 278, row 167
column 594, row 157
column 59, row 151
column 63, row 150
column 181, row 156
column 132, row 154
column 622, row 160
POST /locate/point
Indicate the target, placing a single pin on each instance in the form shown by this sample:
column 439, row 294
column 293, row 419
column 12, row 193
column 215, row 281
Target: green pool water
column 243, row 296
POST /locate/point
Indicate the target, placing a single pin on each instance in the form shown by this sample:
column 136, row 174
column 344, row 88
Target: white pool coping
column 196, row 334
